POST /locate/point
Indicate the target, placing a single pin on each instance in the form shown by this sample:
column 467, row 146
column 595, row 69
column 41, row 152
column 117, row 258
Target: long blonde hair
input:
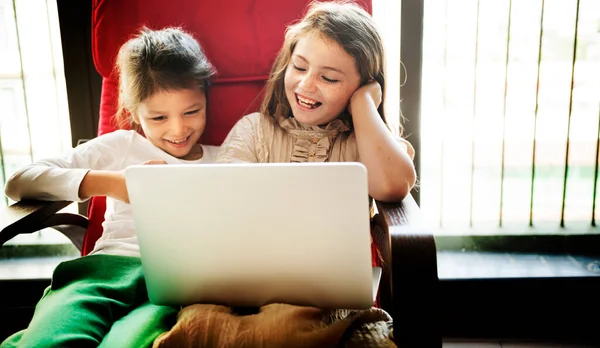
column 158, row 60
column 343, row 22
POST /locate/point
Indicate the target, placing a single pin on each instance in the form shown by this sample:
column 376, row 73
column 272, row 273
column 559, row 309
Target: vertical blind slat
column 3, row 171
column 444, row 86
column 474, row 113
column 535, row 120
column 506, row 60
column 22, row 72
column 595, row 191
column 566, row 172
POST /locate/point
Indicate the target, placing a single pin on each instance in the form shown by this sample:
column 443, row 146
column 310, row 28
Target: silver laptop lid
column 253, row 234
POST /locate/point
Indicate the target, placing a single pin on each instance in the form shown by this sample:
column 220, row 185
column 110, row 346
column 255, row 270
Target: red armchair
column 242, row 38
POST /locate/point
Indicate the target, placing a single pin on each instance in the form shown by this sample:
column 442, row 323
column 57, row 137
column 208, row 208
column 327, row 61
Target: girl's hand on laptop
column 119, row 190
column 104, row 183
column 107, row 183
column 122, row 194
column 119, row 187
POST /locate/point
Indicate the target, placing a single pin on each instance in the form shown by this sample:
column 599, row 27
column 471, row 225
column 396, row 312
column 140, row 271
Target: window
column 510, row 116
column 34, row 116
column 385, row 15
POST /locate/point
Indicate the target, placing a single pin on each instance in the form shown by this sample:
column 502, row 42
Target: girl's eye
column 298, row 68
column 330, row 80
column 193, row 112
column 159, row 118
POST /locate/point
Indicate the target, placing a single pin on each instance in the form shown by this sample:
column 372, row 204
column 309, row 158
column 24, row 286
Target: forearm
column 44, row 181
column 61, row 178
column 391, row 172
column 99, row 183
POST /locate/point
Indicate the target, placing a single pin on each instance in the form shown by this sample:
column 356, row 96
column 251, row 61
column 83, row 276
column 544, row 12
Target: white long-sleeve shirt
column 60, row 178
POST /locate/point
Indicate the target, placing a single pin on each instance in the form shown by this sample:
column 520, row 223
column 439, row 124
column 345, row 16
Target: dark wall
column 83, row 81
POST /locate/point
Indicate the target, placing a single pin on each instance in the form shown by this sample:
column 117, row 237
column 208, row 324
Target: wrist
column 360, row 104
column 98, row 183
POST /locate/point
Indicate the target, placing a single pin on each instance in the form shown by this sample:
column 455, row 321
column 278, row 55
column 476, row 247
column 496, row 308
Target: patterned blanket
column 278, row 325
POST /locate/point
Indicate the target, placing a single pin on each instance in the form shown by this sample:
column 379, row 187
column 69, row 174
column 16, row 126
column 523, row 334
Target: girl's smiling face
column 319, row 80
column 174, row 120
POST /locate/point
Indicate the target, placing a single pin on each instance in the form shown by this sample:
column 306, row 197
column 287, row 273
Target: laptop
column 254, row 234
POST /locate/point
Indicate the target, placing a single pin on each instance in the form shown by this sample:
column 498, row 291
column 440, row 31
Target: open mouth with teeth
column 307, row 103
column 179, row 142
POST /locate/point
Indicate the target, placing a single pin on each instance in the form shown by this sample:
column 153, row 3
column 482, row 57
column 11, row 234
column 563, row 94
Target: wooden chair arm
column 32, row 215
column 409, row 279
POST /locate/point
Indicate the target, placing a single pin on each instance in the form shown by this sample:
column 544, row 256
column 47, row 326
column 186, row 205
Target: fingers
column 371, row 83
column 155, row 162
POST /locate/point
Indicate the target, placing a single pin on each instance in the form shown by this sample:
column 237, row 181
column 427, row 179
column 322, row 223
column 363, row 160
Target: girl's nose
column 308, row 82
column 178, row 125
